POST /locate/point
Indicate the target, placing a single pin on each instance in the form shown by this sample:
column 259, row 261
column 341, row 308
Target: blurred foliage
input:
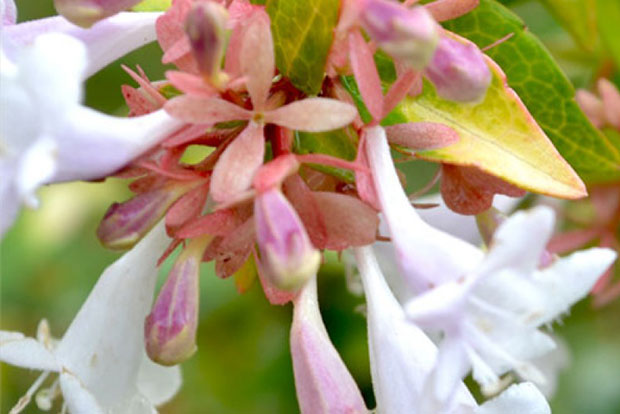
column 51, row 258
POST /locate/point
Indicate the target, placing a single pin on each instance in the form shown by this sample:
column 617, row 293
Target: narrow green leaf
column 302, row 35
column 152, row 5
column 544, row 89
column 339, row 143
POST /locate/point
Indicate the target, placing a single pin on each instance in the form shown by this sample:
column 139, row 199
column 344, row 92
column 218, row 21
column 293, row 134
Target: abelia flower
column 322, row 381
column 603, row 111
column 100, row 360
column 237, row 165
column 403, row 359
column 49, row 136
column 288, row 258
column 170, row 328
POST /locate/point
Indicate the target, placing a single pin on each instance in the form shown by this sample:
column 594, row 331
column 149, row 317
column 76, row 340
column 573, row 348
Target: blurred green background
column 51, row 258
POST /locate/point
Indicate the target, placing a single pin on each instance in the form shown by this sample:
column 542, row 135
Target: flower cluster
column 263, row 199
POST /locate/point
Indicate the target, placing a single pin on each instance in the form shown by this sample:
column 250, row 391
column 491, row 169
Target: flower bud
column 410, row 35
column 322, row 380
column 170, row 328
column 124, row 224
column 287, row 255
column 85, row 13
column 206, row 29
column 459, row 71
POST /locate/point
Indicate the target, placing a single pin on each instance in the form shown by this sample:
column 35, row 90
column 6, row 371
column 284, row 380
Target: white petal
column 78, row 399
column 426, row 255
column 158, row 383
column 517, row 399
column 36, row 167
column 570, row 279
column 8, row 12
column 104, row 344
column 519, row 242
column 21, row 351
column 9, row 197
column 106, row 41
column 93, row 144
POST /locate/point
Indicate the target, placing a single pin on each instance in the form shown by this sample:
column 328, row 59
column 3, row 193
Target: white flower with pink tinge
column 101, row 362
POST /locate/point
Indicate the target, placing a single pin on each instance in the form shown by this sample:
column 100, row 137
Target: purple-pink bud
column 170, row 328
column 410, row 35
column 124, row 224
column 205, row 26
column 288, row 257
column 85, row 13
column 323, row 383
column 459, row 71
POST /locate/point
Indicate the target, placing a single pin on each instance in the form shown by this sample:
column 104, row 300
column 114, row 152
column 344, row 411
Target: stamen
column 428, row 187
column 25, row 400
column 498, row 42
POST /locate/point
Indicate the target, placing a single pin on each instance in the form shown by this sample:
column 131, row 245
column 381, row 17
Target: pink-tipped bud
column 459, row 71
column 410, row 35
column 124, row 224
column 287, row 255
column 85, row 13
column 205, row 26
column 322, row 381
column 170, row 328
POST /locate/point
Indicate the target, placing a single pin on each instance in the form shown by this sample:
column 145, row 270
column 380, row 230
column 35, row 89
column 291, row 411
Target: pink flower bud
column 323, row 383
column 287, row 255
column 410, row 35
column 170, row 328
column 85, row 13
column 459, row 71
column 206, row 29
column 124, row 224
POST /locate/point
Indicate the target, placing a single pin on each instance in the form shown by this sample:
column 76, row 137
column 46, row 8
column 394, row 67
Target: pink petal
column 274, row 172
column 274, row 295
column 363, row 179
column 218, row 223
column 199, row 110
column 300, row 196
column 257, row 58
column 188, row 206
column 399, row 89
column 236, row 167
column 571, row 240
column 366, row 74
column 349, row 221
column 190, row 84
column 421, row 136
column 171, row 35
column 313, row 115
column 234, row 249
column 611, row 101
column 592, row 107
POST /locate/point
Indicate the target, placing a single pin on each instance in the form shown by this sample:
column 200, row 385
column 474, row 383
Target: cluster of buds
column 257, row 201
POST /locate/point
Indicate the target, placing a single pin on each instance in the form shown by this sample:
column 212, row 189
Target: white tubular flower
column 402, row 358
column 47, row 136
column 106, row 41
column 490, row 317
column 420, row 249
column 101, row 360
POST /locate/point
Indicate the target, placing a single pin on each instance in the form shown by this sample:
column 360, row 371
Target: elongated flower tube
column 288, row 257
column 459, row 70
column 410, row 35
column 100, row 359
column 105, row 42
column 426, row 256
column 170, row 328
column 85, row 13
column 49, row 136
column 323, row 383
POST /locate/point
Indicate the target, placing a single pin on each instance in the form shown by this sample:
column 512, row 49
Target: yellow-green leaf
column 152, row 5
column 499, row 136
column 302, row 36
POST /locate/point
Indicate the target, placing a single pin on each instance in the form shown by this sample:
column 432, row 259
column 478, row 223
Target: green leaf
column 302, row 35
column 608, row 13
column 152, row 5
column 544, row 89
column 497, row 135
column 339, row 143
